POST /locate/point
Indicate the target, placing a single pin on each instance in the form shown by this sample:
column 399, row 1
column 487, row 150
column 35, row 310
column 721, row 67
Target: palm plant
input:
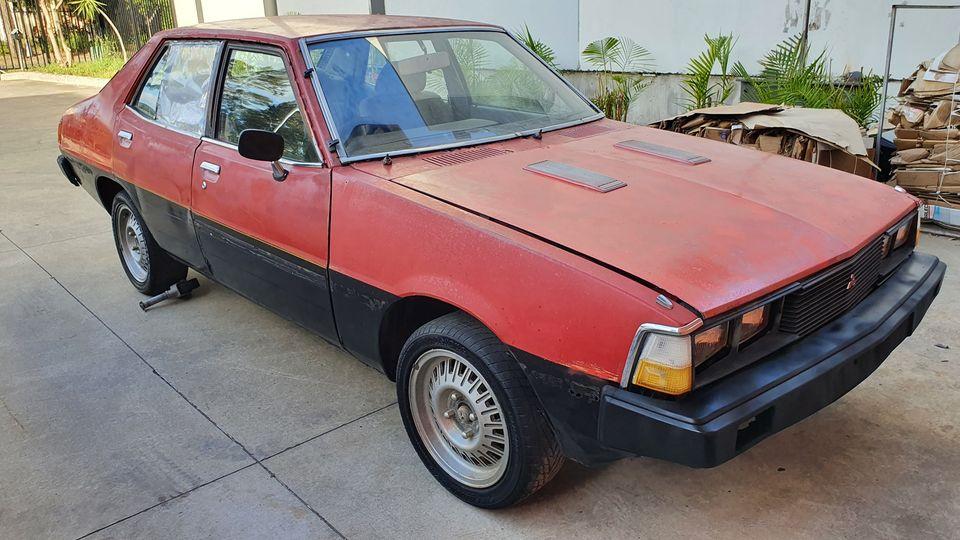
column 701, row 92
column 617, row 61
column 789, row 77
column 539, row 48
column 89, row 9
column 861, row 99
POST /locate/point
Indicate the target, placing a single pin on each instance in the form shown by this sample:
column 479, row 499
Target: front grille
column 827, row 296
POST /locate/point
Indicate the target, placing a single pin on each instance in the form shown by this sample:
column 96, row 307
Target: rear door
column 263, row 238
column 156, row 136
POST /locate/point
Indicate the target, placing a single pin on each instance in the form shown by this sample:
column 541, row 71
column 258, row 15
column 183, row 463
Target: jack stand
column 182, row 289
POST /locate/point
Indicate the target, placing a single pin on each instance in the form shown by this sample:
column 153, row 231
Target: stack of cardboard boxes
column 824, row 136
column 926, row 133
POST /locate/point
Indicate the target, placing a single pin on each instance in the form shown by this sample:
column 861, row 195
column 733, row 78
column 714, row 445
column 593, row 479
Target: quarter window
column 175, row 93
column 257, row 94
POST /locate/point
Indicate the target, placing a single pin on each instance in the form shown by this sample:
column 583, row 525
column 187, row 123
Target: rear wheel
column 148, row 267
column 471, row 414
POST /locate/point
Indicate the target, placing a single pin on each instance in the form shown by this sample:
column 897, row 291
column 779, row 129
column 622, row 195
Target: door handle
column 126, row 138
column 210, row 167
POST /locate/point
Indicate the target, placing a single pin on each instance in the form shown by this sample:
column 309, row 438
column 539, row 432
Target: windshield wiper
column 535, row 133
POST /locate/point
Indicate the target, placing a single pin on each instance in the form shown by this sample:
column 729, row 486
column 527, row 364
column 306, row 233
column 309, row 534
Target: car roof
column 297, row 26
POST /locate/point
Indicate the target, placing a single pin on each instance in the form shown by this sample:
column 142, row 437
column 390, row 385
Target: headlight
column 709, row 342
column 753, row 322
column 666, row 361
column 900, row 237
column 664, row 364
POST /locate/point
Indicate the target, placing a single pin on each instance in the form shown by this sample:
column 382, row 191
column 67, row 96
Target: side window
column 257, row 94
column 175, row 92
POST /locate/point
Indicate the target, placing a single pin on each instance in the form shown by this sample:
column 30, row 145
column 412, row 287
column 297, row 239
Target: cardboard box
column 770, row 143
column 928, row 178
column 842, row 161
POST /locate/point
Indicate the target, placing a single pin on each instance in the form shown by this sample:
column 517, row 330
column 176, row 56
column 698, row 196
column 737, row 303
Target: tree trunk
column 52, row 41
column 58, row 31
column 123, row 48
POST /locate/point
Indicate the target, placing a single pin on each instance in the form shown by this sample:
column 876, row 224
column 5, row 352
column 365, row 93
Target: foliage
column 104, row 68
column 788, row 76
column 79, row 41
column 861, row 100
column 701, row 92
column 617, row 61
column 89, row 9
column 540, row 48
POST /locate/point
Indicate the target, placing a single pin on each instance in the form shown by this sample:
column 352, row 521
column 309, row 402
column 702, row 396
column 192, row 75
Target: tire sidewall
column 123, row 200
column 514, row 477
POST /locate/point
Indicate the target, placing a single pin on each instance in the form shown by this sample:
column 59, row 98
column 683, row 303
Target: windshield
column 405, row 92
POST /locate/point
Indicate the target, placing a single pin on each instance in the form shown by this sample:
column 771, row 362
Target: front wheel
column 471, row 414
column 150, row 269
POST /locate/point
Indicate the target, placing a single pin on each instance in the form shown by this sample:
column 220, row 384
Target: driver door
column 263, row 238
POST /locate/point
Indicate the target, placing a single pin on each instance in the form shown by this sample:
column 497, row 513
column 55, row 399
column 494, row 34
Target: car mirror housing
column 261, row 145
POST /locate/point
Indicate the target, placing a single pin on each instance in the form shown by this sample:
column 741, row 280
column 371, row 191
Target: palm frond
column 541, row 49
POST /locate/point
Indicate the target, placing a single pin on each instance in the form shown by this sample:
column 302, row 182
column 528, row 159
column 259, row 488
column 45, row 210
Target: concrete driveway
column 216, row 418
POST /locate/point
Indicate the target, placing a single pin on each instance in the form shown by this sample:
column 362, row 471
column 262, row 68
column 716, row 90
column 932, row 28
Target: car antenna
column 387, row 160
column 537, row 134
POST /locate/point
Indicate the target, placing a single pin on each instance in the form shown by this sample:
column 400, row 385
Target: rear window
column 176, row 90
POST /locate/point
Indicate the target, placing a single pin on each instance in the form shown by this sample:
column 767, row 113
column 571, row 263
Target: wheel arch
column 107, row 189
column 401, row 319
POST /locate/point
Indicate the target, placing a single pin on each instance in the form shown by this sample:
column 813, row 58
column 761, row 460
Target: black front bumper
column 721, row 420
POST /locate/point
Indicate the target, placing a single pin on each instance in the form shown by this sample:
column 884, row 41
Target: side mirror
column 261, row 145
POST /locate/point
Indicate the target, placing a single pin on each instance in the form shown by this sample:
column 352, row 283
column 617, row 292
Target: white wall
column 554, row 21
column 186, row 11
column 221, row 10
column 854, row 32
column 318, row 7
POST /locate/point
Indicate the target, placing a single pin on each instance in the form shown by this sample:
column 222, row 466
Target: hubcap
column 458, row 418
column 132, row 244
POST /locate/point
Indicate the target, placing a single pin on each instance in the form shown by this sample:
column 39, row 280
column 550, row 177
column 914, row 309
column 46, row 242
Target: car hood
column 713, row 235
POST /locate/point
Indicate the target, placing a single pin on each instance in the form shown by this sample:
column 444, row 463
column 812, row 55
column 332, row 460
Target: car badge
column 852, row 283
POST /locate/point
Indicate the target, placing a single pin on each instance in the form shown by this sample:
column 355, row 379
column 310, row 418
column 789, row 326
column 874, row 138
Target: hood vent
column 673, row 154
column 575, row 175
column 585, row 130
column 456, row 157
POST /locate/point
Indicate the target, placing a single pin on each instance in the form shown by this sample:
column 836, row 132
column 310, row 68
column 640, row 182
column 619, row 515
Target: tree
column 89, row 9
column 617, row 60
column 701, row 92
column 539, row 48
column 53, row 31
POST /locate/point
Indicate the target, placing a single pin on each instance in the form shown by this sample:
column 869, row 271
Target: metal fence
column 25, row 31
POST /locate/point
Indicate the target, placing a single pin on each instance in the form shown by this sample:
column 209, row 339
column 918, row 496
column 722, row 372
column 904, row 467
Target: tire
column 489, row 460
column 148, row 267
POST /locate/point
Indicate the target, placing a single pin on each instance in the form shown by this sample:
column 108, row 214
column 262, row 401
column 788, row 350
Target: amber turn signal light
column 708, row 343
column 753, row 322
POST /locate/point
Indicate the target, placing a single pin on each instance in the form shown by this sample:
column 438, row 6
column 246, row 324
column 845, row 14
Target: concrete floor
column 216, row 418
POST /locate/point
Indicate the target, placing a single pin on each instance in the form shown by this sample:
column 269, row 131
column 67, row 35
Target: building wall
column 186, row 11
column 222, row 10
column 555, row 21
column 853, row 32
column 317, row 7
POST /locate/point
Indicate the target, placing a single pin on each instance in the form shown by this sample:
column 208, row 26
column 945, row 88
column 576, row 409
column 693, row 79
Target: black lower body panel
column 719, row 421
column 276, row 280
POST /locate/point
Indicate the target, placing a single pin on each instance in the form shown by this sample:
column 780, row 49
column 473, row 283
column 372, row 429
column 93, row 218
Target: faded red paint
column 715, row 235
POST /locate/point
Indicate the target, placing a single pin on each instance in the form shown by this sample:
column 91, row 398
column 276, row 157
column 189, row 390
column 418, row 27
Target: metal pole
column 806, row 31
column 886, row 70
column 886, row 82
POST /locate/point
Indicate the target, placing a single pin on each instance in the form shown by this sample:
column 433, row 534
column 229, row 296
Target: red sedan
column 539, row 281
